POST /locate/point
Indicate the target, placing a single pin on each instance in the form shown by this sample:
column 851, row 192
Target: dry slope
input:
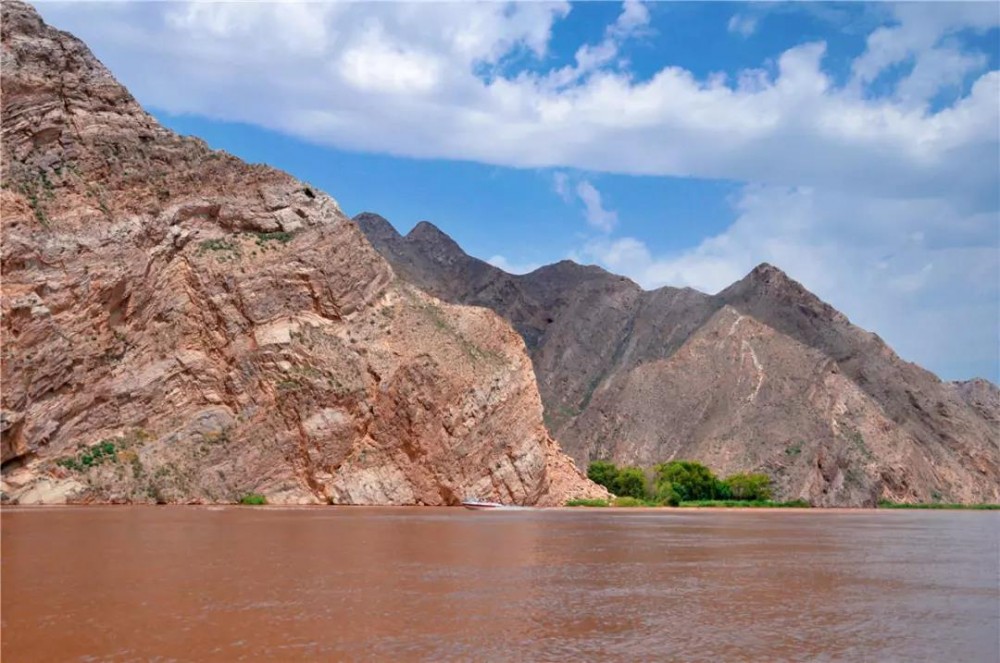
column 179, row 326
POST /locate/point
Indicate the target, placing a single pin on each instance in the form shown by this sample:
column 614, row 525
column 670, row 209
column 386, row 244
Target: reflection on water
column 176, row 583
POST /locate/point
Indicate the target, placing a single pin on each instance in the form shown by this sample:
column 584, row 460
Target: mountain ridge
column 609, row 357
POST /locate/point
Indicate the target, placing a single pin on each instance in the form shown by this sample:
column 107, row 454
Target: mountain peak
column 771, row 288
column 435, row 243
column 372, row 224
column 766, row 279
column 427, row 230
column 767, row 272
column 572, row 267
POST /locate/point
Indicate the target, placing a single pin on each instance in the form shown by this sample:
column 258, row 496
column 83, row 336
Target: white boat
column 479, row 505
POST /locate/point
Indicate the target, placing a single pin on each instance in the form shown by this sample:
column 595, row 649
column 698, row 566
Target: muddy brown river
column 367, row 584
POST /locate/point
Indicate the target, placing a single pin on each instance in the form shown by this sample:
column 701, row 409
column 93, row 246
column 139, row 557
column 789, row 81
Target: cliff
column 179, row 326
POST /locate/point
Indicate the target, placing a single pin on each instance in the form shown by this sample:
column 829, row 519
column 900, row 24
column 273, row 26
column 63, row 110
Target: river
column 424, row 584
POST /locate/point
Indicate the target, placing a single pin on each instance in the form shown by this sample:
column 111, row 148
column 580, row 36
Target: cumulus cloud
column 918, row 29
column 377, row 65
column 633, row 21
column 408, row 79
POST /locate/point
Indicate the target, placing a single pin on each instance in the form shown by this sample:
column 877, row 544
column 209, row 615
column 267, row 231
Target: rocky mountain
column 762, row 376
column 179, row 326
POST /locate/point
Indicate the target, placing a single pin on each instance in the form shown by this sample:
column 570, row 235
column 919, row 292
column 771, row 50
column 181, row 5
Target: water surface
column 250, row 584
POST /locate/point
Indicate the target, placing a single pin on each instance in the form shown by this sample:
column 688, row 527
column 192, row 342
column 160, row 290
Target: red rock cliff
column 179, row 326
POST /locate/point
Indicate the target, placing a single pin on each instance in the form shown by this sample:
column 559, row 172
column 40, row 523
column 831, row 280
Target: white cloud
column 742, row 24
column 377, row 65
column 429, row 80
column 598, row 217
column 296, row 29
column 512, row 267
column 937, row 69
column 633, row 21
column 560, row 183
column 919, row 28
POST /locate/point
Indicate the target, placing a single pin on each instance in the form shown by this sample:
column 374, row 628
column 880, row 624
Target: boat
column 479, row 505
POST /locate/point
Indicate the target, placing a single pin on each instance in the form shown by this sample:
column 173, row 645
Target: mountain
column 179, row 326
column 763, row 376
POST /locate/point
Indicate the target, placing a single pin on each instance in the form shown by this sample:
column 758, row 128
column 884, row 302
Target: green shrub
column 254, row 499
column 630, row 482
column 768, row 504
column 667, row 495
column 691, row 480
column 886, row 504
column 587, row 502
column 280, row 236
column 723, row 491
column 103, row 451
column 602, row 473
column 746, row 486
column 69, row 464
column 630, row 502
column 216, row 245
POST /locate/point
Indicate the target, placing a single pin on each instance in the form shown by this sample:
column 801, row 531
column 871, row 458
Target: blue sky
column 853, row 145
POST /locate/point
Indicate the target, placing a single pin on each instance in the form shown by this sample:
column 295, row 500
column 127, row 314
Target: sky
column 854, row 145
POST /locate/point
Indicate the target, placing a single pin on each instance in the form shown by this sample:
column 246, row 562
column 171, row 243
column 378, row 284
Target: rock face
column 179, row 326
column 760, row 377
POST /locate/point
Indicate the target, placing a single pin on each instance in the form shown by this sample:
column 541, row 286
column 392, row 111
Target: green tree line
column 679, row 481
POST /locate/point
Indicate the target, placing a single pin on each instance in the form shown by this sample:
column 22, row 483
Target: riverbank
column 936, row 505
column 796, row 505
column 633, row 503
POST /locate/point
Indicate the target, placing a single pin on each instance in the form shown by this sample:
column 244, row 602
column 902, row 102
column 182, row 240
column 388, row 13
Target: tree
column 667, row 495
column 750, row 487
column 691, row 480
column 603, row 474
column 630, row 482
